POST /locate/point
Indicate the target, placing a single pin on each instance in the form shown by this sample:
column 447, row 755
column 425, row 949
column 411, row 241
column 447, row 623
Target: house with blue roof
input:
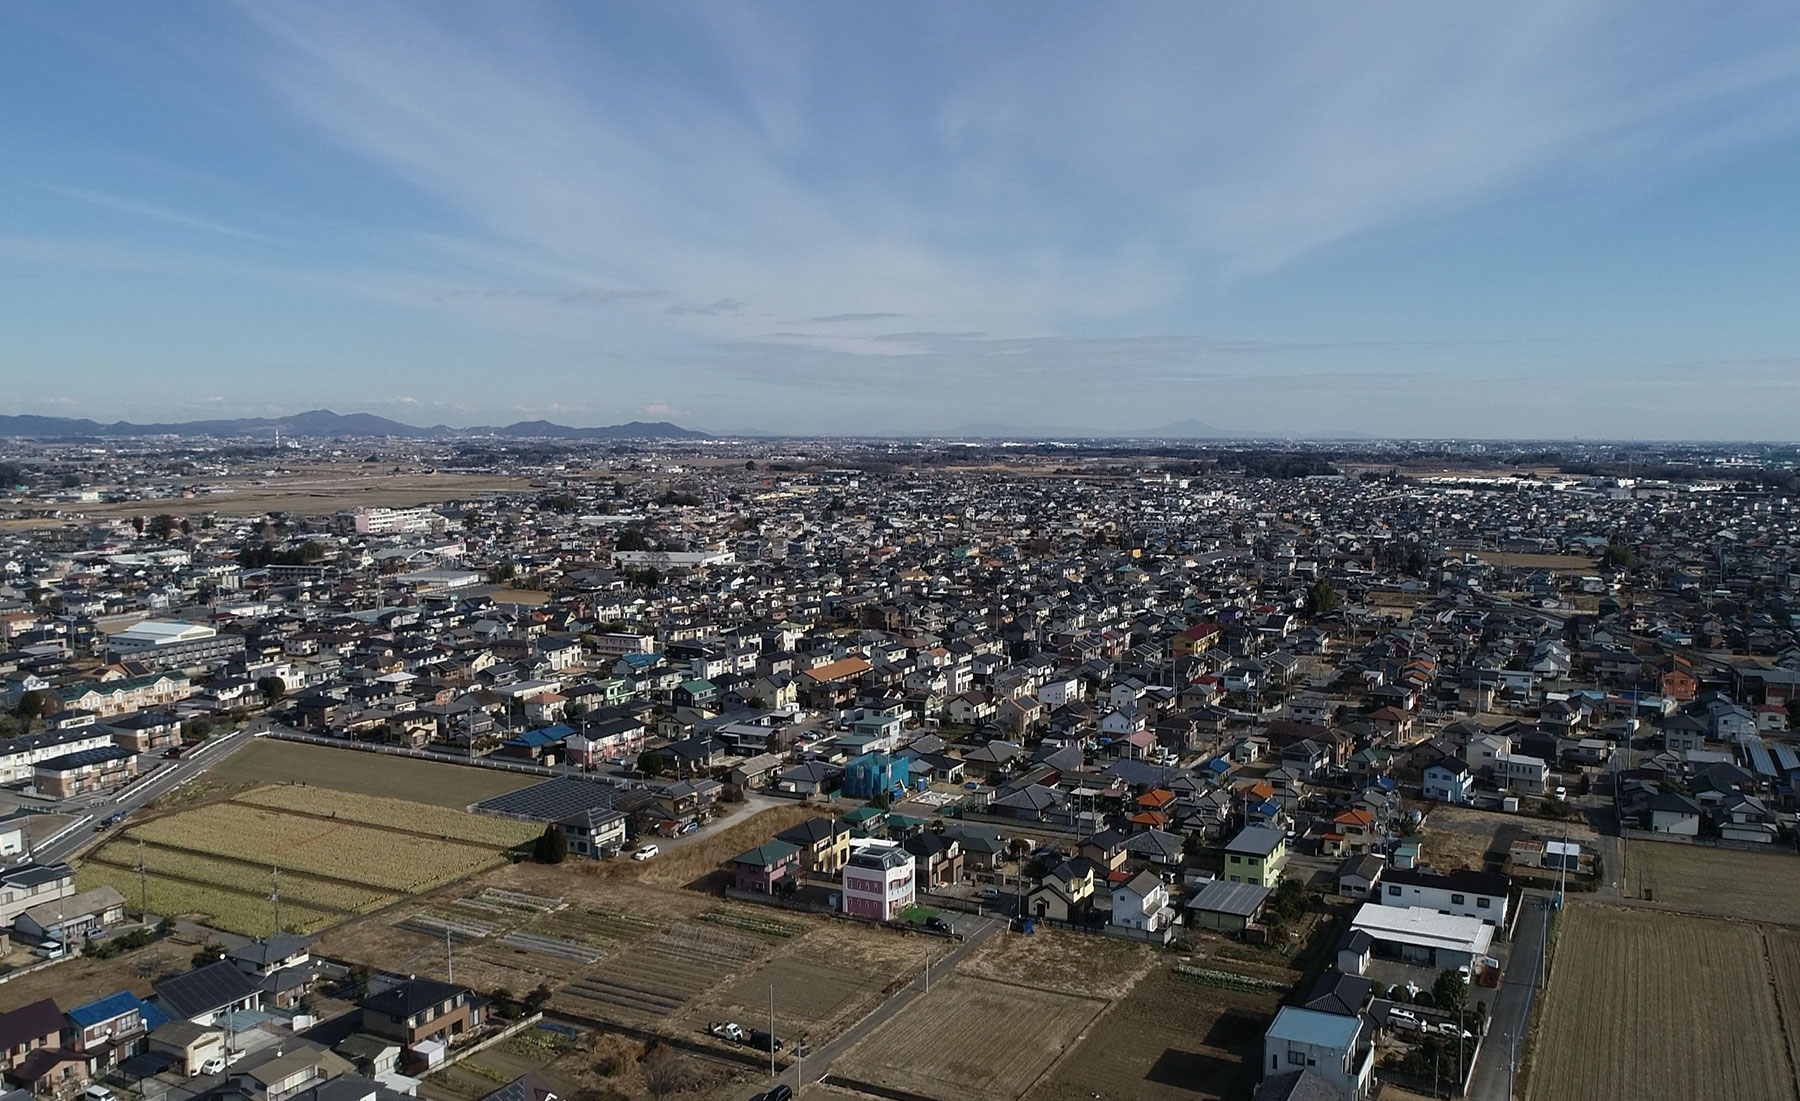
column 113, row 1029
column 1337, row 1049
column 544, row 744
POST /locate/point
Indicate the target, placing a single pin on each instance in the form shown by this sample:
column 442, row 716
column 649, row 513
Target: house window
column 1297, row 1058
column 1482, row 903
column 1394, row 889
column 1456, row 900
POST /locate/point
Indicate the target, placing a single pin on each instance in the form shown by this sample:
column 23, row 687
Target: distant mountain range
column 324, row 422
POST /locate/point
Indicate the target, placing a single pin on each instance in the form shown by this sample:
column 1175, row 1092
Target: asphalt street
column 1494, row 1071
column 170, row 775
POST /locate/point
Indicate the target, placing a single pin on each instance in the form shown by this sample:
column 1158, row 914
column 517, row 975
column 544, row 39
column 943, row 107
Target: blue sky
column 1547, row 220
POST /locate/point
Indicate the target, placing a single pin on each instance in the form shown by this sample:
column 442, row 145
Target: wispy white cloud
column 166, row 215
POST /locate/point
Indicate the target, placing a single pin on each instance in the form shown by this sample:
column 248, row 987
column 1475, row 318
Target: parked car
column 761, row 1040
column 215, row 1065
column 938, row 925
column 781, row 1091
column 97, row 1093
column 689, row 828
column 727, row 1030
column 1561, row 792
column 645, row 853
column 989, row 893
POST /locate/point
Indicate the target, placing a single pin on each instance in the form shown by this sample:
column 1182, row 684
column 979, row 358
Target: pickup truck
column 728, row 1030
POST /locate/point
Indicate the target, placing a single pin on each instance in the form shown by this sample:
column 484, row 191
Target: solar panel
column 551, row 800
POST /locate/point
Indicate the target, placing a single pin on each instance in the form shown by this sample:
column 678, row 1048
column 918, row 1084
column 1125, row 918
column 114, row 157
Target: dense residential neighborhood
column 1336, row 737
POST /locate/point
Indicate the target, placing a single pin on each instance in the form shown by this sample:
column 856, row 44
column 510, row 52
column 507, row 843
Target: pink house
column 878, row 881
column 764, row 868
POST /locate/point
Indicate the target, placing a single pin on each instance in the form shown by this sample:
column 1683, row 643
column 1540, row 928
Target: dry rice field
column 1733, row 883
column 972, row 1039
column 334, row 855
column 1659, row 1007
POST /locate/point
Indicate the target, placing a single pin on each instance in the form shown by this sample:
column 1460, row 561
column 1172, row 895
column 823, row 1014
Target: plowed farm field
column 972, row 1039
column 1659, row 1007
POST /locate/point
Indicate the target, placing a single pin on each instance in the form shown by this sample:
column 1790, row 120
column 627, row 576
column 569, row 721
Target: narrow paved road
column 1513, row 1003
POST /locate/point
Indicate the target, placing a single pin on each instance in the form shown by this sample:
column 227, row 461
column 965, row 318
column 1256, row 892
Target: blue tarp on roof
column 549, row 735
column 116, row 1005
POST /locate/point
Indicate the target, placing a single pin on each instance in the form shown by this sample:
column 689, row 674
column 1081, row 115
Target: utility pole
column 275, row 894
column 771, row 1030
column 449, row 957
column 143, row 888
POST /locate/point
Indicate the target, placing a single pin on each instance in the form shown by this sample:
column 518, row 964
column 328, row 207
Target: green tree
column 651, row 763
column 33, row 705
column 161, row 526
column 312, row 551
column 632, row 539
column 1321, row 598
column 198, row 727
column 1449, row 991
column 503, row 573
column 137, row 524
column 552, row 847
column 272, row 689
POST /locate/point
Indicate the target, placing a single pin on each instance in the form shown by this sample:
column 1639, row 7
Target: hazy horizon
column 1550, row 221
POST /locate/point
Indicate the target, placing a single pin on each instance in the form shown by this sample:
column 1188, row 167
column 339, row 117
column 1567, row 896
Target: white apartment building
column 395, row 521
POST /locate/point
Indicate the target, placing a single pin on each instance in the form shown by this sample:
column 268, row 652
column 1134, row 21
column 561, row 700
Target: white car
column 989, row 893
column 215, row 1065
column 1562, row 792
column 645, row 853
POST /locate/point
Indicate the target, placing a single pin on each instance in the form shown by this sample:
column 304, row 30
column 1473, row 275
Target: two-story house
column 1141, row 905
column 1255, row 855
column 37, row 1026
column 113, row 1029
column 1337, row 1049
column 824, row 845
column 421, row 1009
column 206, row 994
column 1463, row 892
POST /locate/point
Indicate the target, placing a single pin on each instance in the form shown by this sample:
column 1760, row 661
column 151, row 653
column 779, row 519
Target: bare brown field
column 692, row 863
column 1068, row 963
column 1658, row 1007
column 1555, row 563
column 316, row 492
column 82, row 979
column 1754, row 886
column 972, row 1039
column 1460, row 836
column 1784, row 962
column 364, row 773
column 825, row 982
column 1144, row 1048
column 656, row 978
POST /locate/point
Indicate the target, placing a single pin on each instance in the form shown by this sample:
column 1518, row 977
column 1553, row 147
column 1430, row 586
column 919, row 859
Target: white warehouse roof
column 162, row 632
column 1425, row 928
